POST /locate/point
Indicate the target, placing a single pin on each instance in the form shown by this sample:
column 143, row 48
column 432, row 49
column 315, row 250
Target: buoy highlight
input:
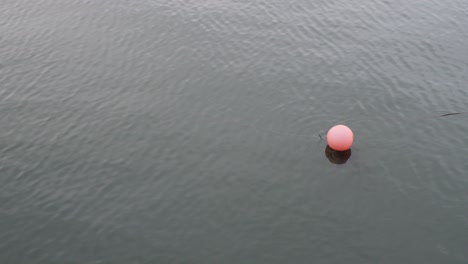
column 340, row 138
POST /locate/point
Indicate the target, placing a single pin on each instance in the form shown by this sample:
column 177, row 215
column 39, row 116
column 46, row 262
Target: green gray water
column 173, row 131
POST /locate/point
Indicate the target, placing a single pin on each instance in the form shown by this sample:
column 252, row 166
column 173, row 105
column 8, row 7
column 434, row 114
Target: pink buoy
column 340, row 138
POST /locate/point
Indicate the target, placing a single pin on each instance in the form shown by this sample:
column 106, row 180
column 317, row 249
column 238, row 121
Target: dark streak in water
column 450, row 114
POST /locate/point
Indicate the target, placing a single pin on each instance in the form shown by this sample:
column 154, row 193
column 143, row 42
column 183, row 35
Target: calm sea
column 189, row 131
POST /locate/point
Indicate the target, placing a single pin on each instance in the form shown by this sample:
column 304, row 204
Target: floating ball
column 340, row 138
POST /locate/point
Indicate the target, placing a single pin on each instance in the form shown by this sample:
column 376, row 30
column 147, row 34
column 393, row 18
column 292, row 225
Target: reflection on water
column 337, row 157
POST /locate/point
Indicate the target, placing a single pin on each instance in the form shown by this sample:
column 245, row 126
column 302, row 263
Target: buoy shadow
column 337, row 157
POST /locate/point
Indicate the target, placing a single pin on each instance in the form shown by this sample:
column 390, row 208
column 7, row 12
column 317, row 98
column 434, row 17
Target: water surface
column 173, row 131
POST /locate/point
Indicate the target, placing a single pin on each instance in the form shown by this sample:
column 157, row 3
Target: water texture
column 178, row 131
